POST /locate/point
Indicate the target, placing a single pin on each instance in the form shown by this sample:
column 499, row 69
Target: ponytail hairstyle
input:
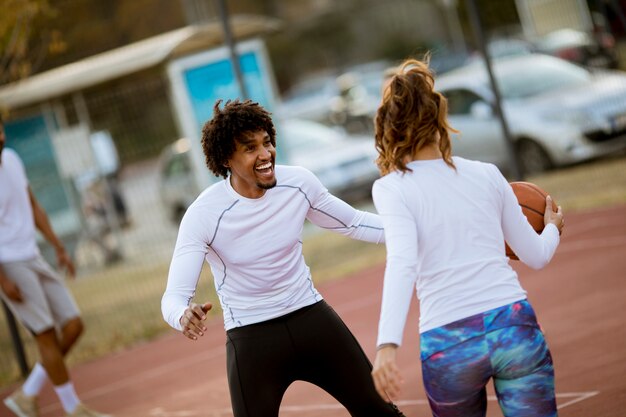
column 412, row 115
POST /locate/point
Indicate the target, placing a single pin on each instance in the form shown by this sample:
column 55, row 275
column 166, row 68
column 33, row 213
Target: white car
column 347, row 100
column 558, row 113
column 309, row 99
column 343, row 163
column 178, row 187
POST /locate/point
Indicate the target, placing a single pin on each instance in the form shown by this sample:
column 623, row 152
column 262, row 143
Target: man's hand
column 11, row 290
column 387, row 378
column 65, row 262
column 192, row 320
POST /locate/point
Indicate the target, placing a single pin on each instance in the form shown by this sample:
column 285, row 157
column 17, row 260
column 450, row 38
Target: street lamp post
column 230, row 42
column 454, row 26
column 198, row 11
column 516, row 169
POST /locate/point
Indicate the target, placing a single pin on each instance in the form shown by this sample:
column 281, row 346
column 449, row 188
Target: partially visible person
column 248, row 227
column 98, row 229
column 446, row 220
column 34, row 292
column 118, row 202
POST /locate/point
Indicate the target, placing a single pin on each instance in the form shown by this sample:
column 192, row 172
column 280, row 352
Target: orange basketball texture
column 532, row 199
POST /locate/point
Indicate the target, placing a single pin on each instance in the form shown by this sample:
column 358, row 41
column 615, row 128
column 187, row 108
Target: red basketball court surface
column 580, row 299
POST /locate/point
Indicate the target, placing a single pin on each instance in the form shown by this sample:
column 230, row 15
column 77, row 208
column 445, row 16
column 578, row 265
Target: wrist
column 386, row 345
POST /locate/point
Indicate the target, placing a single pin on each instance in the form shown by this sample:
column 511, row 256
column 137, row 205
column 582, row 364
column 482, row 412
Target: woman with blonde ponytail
column 446, row 220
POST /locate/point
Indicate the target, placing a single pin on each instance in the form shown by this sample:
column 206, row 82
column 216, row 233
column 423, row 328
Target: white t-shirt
column 254, row 247
column 445, row 233
column 18, row 240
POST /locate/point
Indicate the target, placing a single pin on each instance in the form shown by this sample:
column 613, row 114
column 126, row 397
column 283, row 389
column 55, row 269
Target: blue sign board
column 199, row 80
column 208, row 83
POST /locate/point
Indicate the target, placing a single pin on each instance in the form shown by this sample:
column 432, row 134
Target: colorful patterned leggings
column 505, row 344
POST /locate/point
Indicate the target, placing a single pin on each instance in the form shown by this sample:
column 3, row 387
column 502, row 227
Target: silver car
column 177, row 184
column 344, row 163
column 558, row 113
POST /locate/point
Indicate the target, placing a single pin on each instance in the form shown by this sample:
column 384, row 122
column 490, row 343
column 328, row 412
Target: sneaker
column 82, row 411
column 22, row 405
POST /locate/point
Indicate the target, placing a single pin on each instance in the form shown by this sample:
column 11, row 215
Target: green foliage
column 93, row 26
column 26, row 37
column 36, row 35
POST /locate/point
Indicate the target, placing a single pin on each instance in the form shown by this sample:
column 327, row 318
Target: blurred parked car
column 343, row 163
column 558, row 113
column 178, row 186
column 309, row 99
column 442, row 61
column 502, row 47
column 350, row 100
column 357, row 99
column 347, row 99
column 590, row 50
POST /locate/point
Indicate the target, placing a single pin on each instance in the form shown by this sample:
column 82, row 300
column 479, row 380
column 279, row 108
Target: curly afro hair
column 233, row 121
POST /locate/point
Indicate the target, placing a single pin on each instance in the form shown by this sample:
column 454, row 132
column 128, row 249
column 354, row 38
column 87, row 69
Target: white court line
column 578, row 396
column 160, row 412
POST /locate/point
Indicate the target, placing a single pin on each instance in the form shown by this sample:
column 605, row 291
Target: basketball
column 532, row 199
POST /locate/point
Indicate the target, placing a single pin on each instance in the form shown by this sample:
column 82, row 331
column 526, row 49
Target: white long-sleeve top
column 445, row 232
column 18, row 239
column 254, row 247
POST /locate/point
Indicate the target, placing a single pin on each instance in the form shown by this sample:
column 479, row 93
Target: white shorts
column 46, row 302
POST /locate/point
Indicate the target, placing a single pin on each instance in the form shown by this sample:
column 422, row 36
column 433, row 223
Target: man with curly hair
column 248, row 227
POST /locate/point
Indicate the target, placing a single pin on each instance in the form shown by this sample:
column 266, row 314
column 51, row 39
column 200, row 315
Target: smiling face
column 252, row 164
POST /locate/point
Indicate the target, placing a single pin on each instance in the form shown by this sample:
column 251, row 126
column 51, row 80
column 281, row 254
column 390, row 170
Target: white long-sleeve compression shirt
column 254, row 247
column 445, row 231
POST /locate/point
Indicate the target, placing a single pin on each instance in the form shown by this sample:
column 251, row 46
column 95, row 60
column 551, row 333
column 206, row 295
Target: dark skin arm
column 193, row 318
column 43, row 225
column 9, row 287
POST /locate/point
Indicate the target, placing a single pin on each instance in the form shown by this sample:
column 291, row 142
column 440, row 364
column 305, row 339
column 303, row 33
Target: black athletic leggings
column 311, row 344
